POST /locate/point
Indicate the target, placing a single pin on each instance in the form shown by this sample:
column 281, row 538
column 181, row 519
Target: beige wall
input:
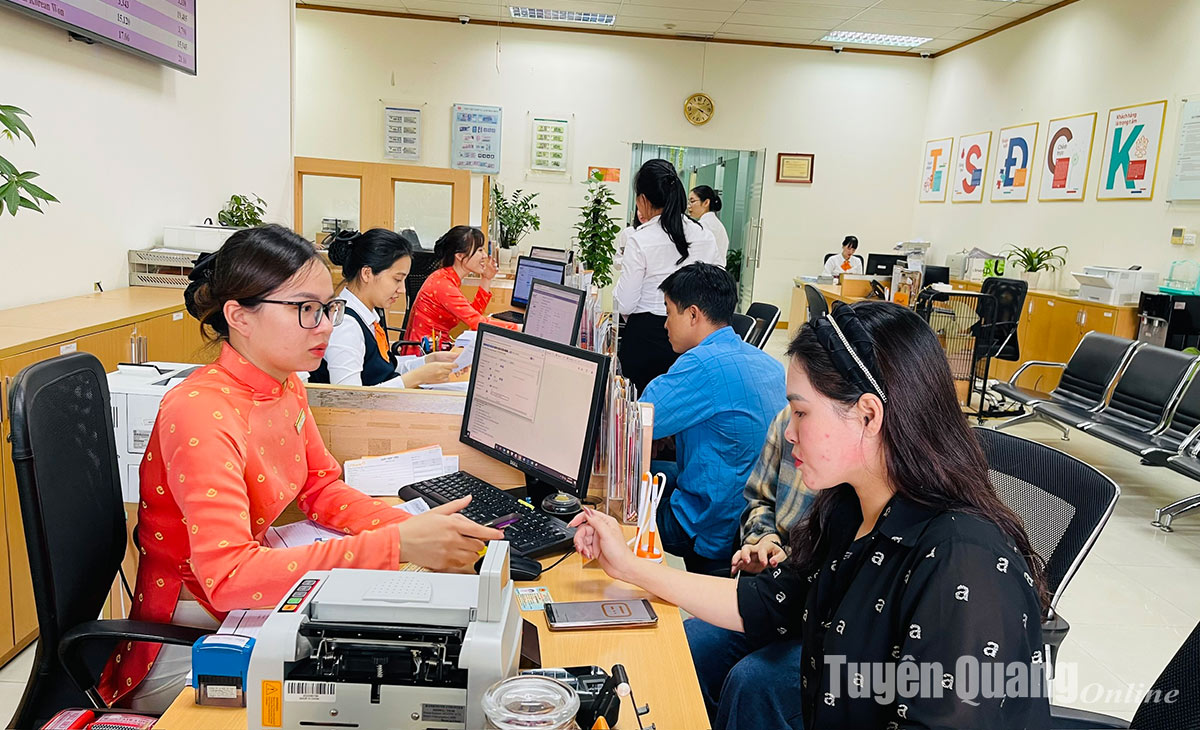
column 1087, row 57
column 130, row 146
column 860, row 116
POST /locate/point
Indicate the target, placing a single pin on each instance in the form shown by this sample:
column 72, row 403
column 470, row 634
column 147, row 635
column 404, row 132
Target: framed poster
column 401, row 133
column 1131, row 148
column 549, row 144
column 1068, row 157
column 792, row 167
column 970, row 168
column 1012, row 174
column 1185, row 180
column 475, row 138
column 935, row 173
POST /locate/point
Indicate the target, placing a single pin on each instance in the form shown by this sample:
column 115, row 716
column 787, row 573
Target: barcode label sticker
column 297, row 691
column 177, row 316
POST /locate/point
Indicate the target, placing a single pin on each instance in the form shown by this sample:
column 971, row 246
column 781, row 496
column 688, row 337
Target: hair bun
column 339, row 246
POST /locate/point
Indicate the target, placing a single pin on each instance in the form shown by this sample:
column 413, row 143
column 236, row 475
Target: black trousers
column 644, row 351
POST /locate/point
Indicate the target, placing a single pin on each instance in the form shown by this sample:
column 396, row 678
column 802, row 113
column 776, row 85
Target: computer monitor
column 554, row 312
column 530, row 268
column 936, row 275
column 552, row 254
column 535, row 405
column 881, row 264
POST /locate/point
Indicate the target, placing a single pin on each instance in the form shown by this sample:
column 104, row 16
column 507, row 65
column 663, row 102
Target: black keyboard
column 510, row 316
column 532, row 535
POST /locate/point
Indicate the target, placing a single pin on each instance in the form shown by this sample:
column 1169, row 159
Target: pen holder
column 648, row 546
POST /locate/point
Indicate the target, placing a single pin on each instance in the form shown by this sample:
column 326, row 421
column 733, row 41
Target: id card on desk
column 533, row 598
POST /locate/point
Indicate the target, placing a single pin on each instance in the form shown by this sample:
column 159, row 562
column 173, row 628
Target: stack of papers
column 382, row 476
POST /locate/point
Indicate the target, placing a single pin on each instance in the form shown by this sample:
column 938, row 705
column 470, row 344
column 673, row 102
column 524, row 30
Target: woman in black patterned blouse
column 913, row 589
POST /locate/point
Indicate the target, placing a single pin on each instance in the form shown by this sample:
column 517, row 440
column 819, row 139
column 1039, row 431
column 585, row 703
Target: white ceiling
column 947, row 22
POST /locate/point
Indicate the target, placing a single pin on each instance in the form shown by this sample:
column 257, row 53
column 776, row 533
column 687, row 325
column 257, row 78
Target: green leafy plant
column 17, row 191
column 596, row 231
column 242, row 211
column 733, row 264
column 1034, row 259
column 516, row 217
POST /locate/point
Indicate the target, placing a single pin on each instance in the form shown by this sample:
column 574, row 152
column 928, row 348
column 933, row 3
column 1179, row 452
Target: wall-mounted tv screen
column 160, row 30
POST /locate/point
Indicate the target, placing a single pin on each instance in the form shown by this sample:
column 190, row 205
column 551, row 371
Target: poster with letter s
column 1068, row 157
column 935, row 171
column 970, row 168
column 1129, row 162
column 1013, row 171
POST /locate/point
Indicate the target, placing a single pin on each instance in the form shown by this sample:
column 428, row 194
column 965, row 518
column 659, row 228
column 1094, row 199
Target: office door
column 753, row 227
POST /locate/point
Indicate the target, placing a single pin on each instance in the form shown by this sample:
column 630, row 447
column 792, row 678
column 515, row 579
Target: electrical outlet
column 1189, row 239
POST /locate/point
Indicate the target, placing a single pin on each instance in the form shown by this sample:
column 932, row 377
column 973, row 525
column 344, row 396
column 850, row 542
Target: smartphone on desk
column 600, row 614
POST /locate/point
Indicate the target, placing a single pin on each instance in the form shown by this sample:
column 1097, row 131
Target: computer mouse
column 524, row 568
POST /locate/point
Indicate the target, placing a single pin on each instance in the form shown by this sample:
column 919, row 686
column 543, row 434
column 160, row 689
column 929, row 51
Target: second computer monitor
column 881, row 264
column 535, row 405
column 530, row 268
column 936, row 275
column 554, row 312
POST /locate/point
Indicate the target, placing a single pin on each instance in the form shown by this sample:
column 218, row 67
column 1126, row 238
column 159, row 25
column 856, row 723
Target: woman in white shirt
column 846, row 262
column 374, row 264
column 703, row 205
column 667, row 241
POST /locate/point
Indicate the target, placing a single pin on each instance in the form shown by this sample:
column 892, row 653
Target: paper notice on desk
column 305, row 532
column 382, row 476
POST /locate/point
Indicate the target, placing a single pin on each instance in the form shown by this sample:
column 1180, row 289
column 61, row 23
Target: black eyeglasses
column 311, row 311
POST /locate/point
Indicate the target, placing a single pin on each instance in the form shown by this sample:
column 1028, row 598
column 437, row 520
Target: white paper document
column 414, row 506
column 305, row 532
column 463, row 361
column 382, row 476
column 244, row 623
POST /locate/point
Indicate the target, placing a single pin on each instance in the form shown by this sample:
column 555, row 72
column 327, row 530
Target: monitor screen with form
column 554, row 312
column 535, row 405
column 528, row 269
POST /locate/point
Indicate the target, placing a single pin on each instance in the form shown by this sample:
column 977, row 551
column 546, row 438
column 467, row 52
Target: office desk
column 658, row 660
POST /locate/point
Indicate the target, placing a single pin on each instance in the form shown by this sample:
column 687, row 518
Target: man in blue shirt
column 717, row 400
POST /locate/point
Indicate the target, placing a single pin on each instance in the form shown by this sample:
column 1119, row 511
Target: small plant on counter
column 17, row 191
column 515, row 218
column 597, row 230
column 242, row 211
column 1035, row 259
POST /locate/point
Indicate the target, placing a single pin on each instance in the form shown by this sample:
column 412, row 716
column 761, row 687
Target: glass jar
column 524, row 701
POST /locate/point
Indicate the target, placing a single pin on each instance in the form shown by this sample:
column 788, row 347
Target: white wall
column 860, row 116
column 1087, row 57
column 129, row 146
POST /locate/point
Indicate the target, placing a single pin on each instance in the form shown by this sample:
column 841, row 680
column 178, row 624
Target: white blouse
column 650, row 257
column 713, row 225
column 833, row 267
column 347, row 348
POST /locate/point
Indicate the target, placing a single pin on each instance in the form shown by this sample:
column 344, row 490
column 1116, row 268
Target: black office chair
column 963, row 322
column 424, row 263
column 1180, row 680
column 64, row 451
column 1010, row 302
column 817, row 305
column 743, row 325
column 1086, row 379
column 862, row 263
column 767, row 316
column 1063, row 503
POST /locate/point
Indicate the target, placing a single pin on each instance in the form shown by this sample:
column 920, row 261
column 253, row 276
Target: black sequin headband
column 850, row 347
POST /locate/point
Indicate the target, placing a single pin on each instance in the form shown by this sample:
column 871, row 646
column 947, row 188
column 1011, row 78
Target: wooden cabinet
column 174, row 337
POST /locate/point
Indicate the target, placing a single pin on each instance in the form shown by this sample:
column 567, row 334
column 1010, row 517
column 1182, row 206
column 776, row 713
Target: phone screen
column 600, row 613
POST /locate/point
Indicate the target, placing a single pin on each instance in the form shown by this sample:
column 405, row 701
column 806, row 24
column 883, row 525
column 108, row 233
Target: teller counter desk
column 364, row 421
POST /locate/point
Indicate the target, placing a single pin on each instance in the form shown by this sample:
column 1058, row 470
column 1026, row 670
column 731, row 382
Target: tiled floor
column 1132, row 603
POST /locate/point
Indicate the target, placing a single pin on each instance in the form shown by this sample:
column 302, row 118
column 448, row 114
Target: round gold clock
column 699, row 109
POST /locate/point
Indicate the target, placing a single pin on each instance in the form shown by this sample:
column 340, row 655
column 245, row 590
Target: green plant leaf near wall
column 516, row 216
column 18, row 191
column 242, row 211
column 596, row 232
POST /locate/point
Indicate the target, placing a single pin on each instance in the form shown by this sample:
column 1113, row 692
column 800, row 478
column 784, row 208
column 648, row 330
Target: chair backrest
column 769, row 315
column 1181, row 680
column 955, row 317
column 743, row 325
column 1010, row 303
column 1063, row 502
column 816, row 302
column 1186, row 416
column 65, row 455
column 424, row 263
column 1092, row 369
column 1148, row 388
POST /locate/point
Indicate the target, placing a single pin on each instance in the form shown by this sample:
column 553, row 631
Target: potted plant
column 1033, row 260
column 242, row 211
column 17, row 191
column 513, row 219
column 596, row 231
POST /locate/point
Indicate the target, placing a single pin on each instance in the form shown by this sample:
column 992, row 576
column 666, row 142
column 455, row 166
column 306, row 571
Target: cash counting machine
column 386, row 649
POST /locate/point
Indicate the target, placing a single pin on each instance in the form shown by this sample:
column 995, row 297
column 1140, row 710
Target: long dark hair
column 704, row 192
column 660, row 184
column 250, row 265
column 931, row 455
column 459, row 239
column 377, row 249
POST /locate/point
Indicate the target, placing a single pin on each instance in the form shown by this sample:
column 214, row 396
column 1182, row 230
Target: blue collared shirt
column 717, row 400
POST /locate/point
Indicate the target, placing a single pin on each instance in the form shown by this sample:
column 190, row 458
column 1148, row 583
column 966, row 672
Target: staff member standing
column 440, row 305
column 703, row 205
column 233, row 446
column 374, row 265
column 667, row 241
column 845, row 262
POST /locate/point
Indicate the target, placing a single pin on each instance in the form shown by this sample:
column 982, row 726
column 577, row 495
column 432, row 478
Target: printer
column 1110, row 285
column 386, row 650
column 135, row 392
